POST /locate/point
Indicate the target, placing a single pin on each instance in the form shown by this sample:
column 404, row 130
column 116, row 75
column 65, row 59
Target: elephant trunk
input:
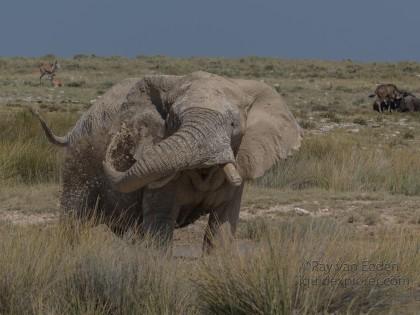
column 201, row 141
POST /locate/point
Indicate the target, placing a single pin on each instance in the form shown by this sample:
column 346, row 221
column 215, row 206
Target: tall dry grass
column 58, row 271
column 339, row 163
column 284, row 275
column 53, row 270
column 25, row 155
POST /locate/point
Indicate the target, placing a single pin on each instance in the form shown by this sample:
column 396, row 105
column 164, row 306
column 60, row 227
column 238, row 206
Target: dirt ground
column 367, row 212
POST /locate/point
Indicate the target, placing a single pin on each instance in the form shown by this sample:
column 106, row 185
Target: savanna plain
column 334, row 229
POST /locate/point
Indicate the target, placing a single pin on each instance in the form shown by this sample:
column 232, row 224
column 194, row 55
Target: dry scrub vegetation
column 357, row 175
column 56, row 270
column 338, row 162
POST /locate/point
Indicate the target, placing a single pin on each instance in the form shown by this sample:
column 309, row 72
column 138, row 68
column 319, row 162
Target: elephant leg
column 160, row 212
column 227, row 213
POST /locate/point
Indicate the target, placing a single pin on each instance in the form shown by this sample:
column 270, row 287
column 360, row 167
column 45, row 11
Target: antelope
column 48, row 69
column 56, row 82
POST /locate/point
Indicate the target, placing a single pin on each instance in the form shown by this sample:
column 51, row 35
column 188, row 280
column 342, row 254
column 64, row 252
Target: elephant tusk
column 232, row 174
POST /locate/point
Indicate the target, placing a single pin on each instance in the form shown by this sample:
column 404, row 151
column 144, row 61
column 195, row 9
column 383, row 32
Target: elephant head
column 241, row 126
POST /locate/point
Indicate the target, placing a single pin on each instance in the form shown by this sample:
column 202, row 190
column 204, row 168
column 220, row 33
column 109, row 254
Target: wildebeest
column 380, row 105
column 387, row 97
column 377, row 107
column 409, row 103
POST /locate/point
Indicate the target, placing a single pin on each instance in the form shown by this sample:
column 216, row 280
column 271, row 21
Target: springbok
column 56, row 82
column 48, row 69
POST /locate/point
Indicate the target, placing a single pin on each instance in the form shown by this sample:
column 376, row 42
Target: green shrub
column 81, row 83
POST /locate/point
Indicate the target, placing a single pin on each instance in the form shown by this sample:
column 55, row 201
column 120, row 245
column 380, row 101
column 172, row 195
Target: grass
column 360, row 121
column 25, row 155
column 268, row 281
column 338, row 163
column 54, row 270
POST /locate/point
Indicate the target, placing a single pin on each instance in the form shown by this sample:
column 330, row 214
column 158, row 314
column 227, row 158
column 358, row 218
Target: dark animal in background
column 409, row 103
column 387, row 97
column 381, row 106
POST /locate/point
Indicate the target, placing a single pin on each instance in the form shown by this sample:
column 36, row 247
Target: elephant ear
column 271, row 132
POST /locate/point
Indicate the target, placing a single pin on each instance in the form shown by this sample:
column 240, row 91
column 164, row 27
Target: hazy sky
column 365, row 30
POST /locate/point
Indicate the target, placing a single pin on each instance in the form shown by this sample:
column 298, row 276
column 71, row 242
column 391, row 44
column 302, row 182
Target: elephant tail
column 60, row 141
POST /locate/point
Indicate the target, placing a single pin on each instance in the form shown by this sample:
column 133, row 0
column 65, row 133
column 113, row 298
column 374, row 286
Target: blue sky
column 364, row 30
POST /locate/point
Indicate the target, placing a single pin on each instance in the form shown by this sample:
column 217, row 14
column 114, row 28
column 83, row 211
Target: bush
column 53, row 271
column 283, row 275
column 81, row 83
column 331, row 116
column 336, row 162
column 25, row 155
column 408, row 135
column 360, row 121
column 72, row 269
column 307, row 124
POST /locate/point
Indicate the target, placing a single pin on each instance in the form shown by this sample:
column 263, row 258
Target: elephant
column 161, row 151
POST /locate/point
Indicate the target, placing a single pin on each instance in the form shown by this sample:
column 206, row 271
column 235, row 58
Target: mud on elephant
column 161, row 151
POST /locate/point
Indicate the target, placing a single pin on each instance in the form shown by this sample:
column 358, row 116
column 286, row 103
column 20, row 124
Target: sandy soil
column 367, row 211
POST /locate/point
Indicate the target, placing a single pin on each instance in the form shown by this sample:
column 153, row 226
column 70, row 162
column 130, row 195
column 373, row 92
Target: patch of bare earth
column 20, row 218
column 367, row 211
column 29, row 204
column 362, row 210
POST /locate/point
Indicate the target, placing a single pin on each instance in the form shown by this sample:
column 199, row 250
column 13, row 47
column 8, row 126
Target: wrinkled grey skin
column 164, row 150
